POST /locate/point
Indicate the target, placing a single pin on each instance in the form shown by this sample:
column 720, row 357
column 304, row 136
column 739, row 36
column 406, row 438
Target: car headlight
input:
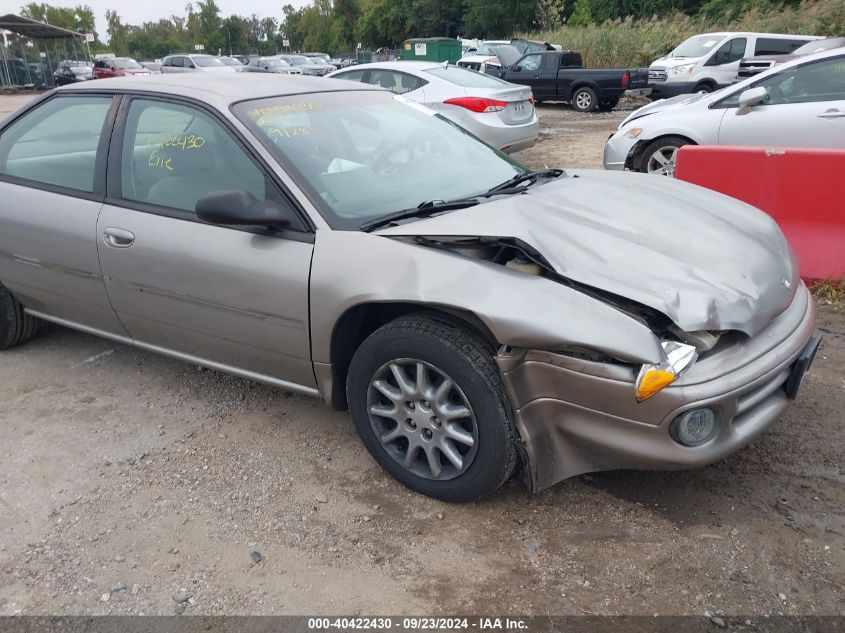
column 634, row 132
column 678, row 358
column 683, row 70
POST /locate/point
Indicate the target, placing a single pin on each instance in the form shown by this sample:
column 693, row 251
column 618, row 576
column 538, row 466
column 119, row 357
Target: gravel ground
column 131, row 483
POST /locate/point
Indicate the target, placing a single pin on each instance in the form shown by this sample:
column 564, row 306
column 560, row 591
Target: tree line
column 339, row 26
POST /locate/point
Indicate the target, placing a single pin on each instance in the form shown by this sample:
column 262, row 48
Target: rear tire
column 584, row 99
column 454, row 408
column 16, row 326
column 608, row 104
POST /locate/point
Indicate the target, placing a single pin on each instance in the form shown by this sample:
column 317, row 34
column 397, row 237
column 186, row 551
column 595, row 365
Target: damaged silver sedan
column 332, row 239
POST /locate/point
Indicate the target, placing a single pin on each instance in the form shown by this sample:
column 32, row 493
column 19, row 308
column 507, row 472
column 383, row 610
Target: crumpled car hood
column 706, row 261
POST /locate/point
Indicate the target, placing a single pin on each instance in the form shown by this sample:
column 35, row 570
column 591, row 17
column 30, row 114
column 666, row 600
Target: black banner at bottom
column 487, row 624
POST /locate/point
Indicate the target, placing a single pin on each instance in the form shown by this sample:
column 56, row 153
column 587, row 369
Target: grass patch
column 626, row 42
column 830, row 290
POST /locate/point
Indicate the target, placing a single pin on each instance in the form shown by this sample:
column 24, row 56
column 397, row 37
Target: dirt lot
column 127, row 479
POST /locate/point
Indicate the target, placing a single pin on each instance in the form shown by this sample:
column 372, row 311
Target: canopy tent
column 30, row 50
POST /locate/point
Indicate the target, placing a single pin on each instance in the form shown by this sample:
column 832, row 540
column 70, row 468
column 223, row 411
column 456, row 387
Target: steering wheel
column 420, row 143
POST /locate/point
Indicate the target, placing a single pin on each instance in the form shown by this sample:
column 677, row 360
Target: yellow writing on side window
column 159, row 161
column 184, row 142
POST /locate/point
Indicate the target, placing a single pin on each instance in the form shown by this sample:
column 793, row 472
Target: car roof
column 219, row 89
column 400, row 65
column 758, row 34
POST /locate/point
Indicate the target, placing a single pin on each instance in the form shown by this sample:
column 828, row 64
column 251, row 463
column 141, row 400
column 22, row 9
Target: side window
column 173, row 155
column 771, row 46
column 531, row 62
column 352, row 75
column 56, row 144
column 731, row 51
column 818, row 81
column 388, row 79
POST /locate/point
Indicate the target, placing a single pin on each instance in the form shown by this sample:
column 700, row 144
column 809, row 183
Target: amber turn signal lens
column 653, row 380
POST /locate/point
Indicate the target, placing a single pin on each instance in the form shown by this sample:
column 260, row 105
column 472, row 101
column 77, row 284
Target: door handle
column 118, row 238
column 831, row 114
column 536, row 76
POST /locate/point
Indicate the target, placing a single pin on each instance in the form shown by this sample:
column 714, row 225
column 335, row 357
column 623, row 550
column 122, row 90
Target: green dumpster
column 432, row 49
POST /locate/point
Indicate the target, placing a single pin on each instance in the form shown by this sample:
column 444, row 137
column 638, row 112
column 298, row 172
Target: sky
column 140, row 11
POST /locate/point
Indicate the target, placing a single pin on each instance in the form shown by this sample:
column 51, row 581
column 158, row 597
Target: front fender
column 351, row 268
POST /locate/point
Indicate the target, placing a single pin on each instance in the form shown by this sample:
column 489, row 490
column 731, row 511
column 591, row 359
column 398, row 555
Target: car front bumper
column 616, row 151
column 577, row 416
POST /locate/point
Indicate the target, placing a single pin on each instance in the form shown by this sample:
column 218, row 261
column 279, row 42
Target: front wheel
column 660, row 156
column 428, row 402
column 584, row 100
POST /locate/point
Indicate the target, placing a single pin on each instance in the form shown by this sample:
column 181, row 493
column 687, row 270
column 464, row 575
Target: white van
column 707, row 62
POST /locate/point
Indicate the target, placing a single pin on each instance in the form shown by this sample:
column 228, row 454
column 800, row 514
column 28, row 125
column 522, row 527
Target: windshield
column 697, row 46
column 277, row 63
column 228, row 61
column 206, row 61
column 362, row 155
column 299, row 60
column 126, row 64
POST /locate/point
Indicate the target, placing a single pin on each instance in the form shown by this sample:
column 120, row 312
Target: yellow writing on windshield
column 284, row 108
column 287, row 132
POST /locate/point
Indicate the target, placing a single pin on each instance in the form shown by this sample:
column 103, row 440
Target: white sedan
column 799, row 104
column 499, row 113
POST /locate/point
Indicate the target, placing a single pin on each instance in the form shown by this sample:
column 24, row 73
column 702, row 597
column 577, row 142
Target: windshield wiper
column 532, row 176
column 423, row 209
column 430, row 207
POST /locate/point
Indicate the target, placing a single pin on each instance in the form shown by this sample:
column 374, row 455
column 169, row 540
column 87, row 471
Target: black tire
column 16, row 326
column 608, row 104
column 704, row 87
column 584, row 99
column 467, row 359
column 657, row 145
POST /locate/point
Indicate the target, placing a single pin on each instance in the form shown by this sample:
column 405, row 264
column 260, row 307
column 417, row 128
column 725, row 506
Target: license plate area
column 801, row 365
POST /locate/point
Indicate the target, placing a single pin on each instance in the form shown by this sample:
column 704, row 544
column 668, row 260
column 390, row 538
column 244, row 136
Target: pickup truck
column 560, row 76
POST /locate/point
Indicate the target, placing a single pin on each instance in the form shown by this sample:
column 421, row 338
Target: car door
column 724, row 63
column 52, row 184
column 527, row 72
column 221, row 296
column 805, row 107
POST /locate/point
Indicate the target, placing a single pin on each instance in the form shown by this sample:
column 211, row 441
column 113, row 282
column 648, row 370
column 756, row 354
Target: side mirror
column 752, row 97
column 240, row 208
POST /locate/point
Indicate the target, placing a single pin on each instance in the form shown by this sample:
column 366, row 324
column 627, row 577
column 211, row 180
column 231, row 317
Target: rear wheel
column 660, row 156
column 584, row 99
column 16, row 326
column 608, row 104
column 428, row 402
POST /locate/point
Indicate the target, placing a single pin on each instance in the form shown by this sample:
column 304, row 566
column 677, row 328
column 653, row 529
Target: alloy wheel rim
column 662, row 161
column 422, row 419
column 584, row 100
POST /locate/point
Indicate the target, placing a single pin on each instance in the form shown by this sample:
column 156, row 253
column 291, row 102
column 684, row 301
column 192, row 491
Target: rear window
column 127, row 64
column 466, row 78
column 771, row 46
column 206, row 61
